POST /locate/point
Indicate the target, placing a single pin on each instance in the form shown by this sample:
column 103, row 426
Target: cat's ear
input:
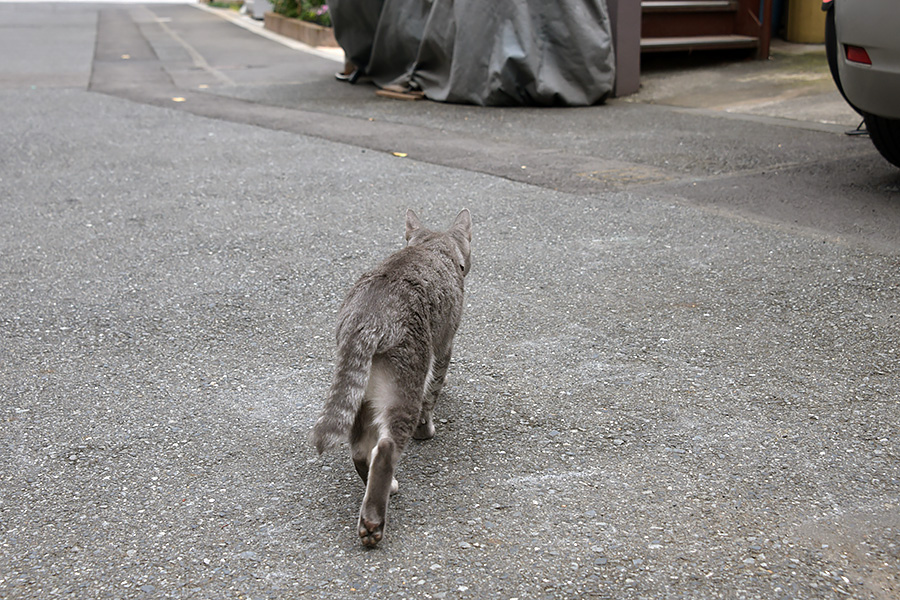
column 412, row 223
column 463, row 222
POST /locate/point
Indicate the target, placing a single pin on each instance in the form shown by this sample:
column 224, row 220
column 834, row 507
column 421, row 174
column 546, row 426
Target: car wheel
column 885, row 134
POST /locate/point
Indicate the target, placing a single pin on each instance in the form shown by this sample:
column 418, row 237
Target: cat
column 394, row 339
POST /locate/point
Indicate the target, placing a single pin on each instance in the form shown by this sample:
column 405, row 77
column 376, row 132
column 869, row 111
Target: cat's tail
column 351, row 377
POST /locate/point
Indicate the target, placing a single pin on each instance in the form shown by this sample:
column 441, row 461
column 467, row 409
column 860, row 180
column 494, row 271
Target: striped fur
column 348, row 389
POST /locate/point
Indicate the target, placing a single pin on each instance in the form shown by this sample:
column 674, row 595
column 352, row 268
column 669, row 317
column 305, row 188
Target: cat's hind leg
column 363, row 437
column 396, row 404
column 363, row 453
column 369, row 424
column 373, row 513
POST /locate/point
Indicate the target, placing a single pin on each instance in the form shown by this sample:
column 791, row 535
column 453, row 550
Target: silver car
column 862, row 42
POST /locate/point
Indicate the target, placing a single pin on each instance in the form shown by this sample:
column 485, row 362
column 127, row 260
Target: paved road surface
column 677, row 375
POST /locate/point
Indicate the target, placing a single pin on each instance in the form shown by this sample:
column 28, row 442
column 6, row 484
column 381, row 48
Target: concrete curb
column 335, row 54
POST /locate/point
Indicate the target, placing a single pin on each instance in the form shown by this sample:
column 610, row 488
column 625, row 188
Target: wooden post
column 625, row 21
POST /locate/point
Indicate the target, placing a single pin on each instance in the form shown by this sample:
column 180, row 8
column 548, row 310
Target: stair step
column 699, row 42
column 654, row 6
column 664, row 18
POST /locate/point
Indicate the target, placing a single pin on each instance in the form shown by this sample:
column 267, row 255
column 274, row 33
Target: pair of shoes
column 398, row 92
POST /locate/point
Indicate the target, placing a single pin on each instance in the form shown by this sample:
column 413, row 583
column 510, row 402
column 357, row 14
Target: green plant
column 314, row 11
column 227, row 4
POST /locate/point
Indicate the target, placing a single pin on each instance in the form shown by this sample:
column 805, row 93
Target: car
column 862, row 45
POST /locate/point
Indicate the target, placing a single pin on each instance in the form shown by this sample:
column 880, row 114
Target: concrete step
column 701, row 42
column 669, row 6
column 664, row 18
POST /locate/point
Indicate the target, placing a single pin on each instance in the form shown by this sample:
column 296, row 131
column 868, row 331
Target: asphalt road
column 677, row 374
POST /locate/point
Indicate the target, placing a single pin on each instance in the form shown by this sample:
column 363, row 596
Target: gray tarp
column 486, row 52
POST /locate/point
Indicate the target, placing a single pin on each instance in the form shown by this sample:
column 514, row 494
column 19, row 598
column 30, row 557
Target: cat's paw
column 425, row 431
column 370, row 533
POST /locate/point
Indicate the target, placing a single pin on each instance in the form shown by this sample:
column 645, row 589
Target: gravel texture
column 657, row 392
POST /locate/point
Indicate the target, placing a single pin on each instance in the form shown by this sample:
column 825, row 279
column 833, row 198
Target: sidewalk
column 793, row 84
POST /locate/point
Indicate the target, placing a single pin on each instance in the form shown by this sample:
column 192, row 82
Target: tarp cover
column 485, row 52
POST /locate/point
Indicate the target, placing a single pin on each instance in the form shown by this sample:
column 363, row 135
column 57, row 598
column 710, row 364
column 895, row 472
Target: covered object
column 485, row 52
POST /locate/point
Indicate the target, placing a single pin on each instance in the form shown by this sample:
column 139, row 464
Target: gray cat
column 394, row 339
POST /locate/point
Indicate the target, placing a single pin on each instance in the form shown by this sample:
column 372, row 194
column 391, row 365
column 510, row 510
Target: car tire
column 885, row 134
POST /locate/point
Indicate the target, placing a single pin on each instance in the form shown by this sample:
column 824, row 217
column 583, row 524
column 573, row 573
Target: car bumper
column 873, row 26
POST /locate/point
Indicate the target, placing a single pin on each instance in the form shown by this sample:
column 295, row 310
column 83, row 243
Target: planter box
column 302, row 31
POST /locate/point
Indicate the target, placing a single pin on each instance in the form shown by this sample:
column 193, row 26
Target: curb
column 333, row 54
